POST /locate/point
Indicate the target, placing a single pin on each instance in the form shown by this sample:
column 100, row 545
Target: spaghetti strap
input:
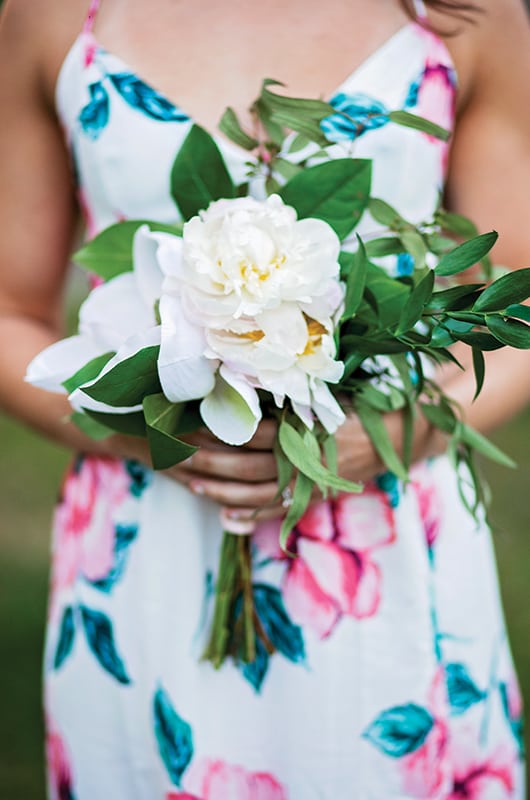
column 91, row 16
column 420, row 9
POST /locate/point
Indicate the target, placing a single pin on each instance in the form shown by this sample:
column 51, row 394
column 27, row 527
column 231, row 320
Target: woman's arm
column 39, row 218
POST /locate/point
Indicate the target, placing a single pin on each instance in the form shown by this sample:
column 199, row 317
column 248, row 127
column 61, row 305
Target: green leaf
column 162, row 419
column 132, row 424
column 90, row 427
column 298, row 143
column 414, row 245
column 388, row 294
column 441, row 337
column 456, row 223
column 284, row 468
column 87, row 373
column 199, row 174
column 480, row 340
column 314, row 109
column 294, row 448
column 466, row 254
column 509, row 331
column 510, row 289
column 458, row 297
column 373, row 347
column 414, row 306
column 373, row 423
column 329, row 446
column 307, row 127
column 482, row 445
column 231, row 127
column 302, row 491
column 384, row 246
column 375, row 399
column 439, row 245
column 336, row 191
column 440, row 416
column 356, row 281
column 110, row 252
column 286, row 168
column 408, row 120
column 128, row 382
column 519, row 311
column 385, row 214
column 274, row 131
column 479, row 368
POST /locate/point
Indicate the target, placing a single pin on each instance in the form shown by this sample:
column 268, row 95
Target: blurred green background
column 31, row 470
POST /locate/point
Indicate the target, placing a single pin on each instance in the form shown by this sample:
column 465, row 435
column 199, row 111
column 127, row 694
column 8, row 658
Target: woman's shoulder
column 35, row 38
column 490, row 46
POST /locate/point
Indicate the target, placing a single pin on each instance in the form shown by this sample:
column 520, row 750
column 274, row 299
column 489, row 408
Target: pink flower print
column 476, row 777
column 427, row 771
column 181, row 796
column 333, row 573
column 59, row 771
column 84, row 531
column 429, row 502
column 436, row 96
column 215, row 780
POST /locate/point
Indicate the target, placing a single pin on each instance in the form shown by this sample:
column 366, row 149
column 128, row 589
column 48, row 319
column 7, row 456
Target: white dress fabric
column 393, row 677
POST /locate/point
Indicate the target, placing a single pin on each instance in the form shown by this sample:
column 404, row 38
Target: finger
column 251, row 467
column 247, row 515
column 232, row 493
column 265, row 436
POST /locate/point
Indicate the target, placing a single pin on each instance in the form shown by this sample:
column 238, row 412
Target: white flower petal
column 185, row 373
column 60, row 361
column 326, row 407
column 285, row 326
column 231, row 411
column 115, row 311
column 145, row 264
column 305, row 414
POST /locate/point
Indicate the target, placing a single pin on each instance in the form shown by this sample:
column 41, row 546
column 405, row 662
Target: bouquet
column 265, row 302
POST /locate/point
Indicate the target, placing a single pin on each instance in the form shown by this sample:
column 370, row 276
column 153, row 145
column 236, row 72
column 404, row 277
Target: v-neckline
column 372, row 58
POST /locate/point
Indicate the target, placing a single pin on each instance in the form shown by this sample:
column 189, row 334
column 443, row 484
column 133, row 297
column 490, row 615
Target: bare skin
column 204, row 58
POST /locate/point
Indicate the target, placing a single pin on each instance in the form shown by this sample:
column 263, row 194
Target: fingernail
column 197, row 488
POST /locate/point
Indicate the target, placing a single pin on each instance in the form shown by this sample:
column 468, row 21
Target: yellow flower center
column 315, row 332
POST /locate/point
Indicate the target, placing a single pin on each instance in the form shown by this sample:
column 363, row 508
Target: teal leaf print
column 255, row 671
column 94, row 117
column 516, row 723
column 140, row 477
column 100, row 637
column 461, row 689
column 124, row 536
column 66, row 638
column 283, row 633
column 141, row 96
column 173, row 735
column 400, row 730
column 359, row 113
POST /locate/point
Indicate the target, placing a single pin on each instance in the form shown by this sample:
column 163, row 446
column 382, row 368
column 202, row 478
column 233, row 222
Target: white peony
column 246, row 301
column 242, row 257
column 261, row 289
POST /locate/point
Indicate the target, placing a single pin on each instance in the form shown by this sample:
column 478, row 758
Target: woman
column 393, row 677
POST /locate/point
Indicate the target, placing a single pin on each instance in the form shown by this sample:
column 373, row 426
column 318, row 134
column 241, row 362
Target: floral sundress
column 393, row 677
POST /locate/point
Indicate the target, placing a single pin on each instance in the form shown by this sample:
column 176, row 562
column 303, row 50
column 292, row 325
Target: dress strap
column 91, row 16
column 421, row 11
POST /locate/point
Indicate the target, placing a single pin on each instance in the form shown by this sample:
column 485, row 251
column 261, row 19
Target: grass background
column 30, row 470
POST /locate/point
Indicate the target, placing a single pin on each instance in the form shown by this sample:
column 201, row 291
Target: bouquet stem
column 233, row 631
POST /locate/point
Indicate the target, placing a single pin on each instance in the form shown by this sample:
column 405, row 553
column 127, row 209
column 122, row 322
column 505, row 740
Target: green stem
column 229, row 636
